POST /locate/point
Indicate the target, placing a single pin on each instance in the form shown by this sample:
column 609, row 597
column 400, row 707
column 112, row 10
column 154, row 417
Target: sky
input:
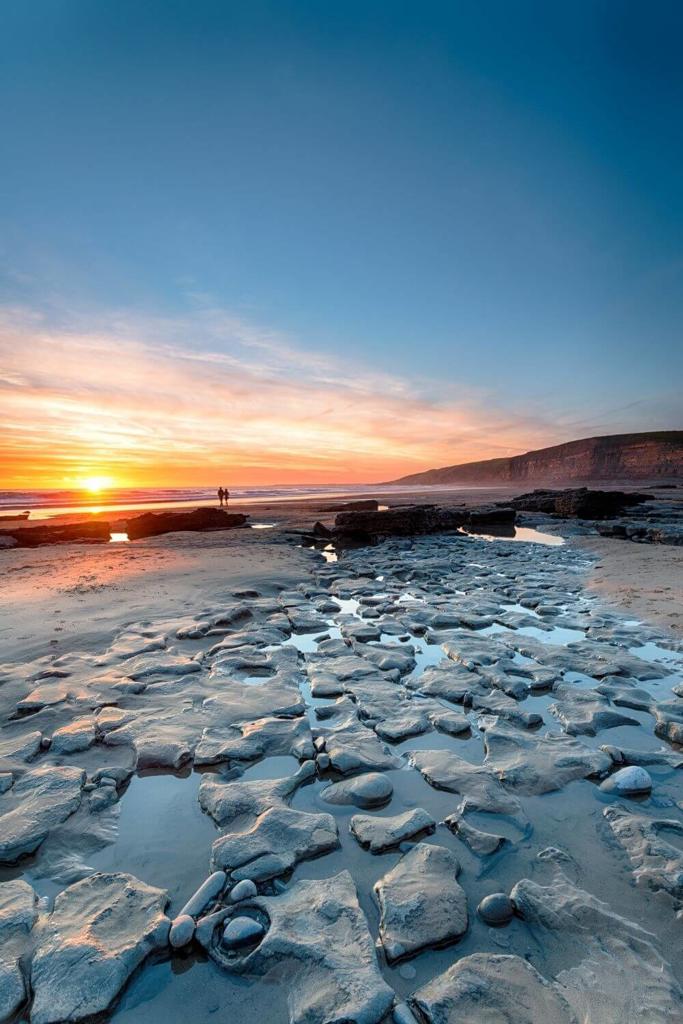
column 333, row 241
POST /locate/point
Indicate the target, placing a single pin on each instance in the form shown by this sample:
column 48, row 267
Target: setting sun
column 95, row 484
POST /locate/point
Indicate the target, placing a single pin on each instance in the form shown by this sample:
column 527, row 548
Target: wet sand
column 645, row 580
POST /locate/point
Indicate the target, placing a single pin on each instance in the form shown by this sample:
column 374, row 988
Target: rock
column 421, row 903
column 534, row 764
column 99, row 931
column 275, row 843
column 657, row 865
column 207, row 892
column 627, row 781
column 492, row 987
column 405, row 521
column 379, row 834
column 182, row 931
column 21, row 748
column 496, row 909
column 225, row 801
column 153, row 524
column 370, row 790
column 481, row 843
column 244, row 890
column 477, row 785
column 241, row 931
column 37, row 803
column 264, row 737
column 319, row 941
column 579, row 502
column 352, row 748
column 450, row 722
column 586, row 712
column 95, row 532
column 17, row 916
column 74, row 737
column 402, row 1014
column 619, row 976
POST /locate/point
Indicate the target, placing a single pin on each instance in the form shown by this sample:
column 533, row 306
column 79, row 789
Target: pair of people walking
column 223, row 496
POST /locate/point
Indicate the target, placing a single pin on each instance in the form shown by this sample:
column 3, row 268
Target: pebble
column 241, row 931
column 182, row 931
column 497, row 908
column 207, row 891
column 633, row 779
column 404, row 1015
column 244, row 890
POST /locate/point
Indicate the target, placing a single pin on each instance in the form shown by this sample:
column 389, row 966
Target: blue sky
column 481, row 199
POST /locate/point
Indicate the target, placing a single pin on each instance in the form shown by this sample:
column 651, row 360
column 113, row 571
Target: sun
column 95, row 484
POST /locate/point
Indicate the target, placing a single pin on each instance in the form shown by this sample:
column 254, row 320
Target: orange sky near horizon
column 123, row 404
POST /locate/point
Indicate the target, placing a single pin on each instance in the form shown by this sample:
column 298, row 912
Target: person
column 226, row 495
column 221, row 495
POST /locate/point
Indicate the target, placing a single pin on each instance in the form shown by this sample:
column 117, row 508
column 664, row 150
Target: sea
column 43, row 504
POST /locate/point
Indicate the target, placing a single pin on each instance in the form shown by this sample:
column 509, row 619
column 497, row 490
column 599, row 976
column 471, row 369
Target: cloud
column 187, row 400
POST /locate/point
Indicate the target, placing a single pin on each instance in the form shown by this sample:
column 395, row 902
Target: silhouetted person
column 226, row 495
column 221, row 495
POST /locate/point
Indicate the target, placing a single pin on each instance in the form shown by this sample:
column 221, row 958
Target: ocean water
column 45, row 503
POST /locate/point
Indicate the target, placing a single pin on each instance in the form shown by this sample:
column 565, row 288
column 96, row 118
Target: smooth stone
column 207, row 891
column 403, row 1014
column 182, row 931
column 632, row 779
column 497, row 908
column 369, row 790
column 244, row 890
column 241, row 931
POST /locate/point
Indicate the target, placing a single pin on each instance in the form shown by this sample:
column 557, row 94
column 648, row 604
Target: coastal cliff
column 642, row 456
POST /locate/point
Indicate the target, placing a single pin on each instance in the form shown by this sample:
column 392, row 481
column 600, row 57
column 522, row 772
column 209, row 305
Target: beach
column 423, row 722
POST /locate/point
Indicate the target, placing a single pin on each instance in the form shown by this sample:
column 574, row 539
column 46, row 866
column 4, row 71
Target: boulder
column 628, row 781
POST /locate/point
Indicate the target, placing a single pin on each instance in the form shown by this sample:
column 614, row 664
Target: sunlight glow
column 95, row 484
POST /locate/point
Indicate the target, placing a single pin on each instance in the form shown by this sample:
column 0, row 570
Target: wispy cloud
column 184, row 400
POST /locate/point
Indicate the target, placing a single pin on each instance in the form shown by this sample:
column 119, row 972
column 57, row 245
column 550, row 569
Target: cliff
column 617, row 457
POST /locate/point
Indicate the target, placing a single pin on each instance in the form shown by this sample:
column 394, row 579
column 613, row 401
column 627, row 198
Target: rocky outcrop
column 579, row 503
column 413, row 520
column 613, row 457
column 361, row 505
column 95, row 532
column 154, row 524
column 100, row 930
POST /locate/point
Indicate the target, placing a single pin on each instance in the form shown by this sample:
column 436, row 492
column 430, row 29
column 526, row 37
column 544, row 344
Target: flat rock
column 319, row 941
column 477, row 785
column 586, row 712
column 18, row 914
column 619, row 976
column 74, row 737
column 99, row 931
column 37, row 803
column 379, row 834
column 657, row 864
column 276, row 841
column 370, row 790
column 421, row 903
column 492, row 987
column 534, row 764
column 481, row 843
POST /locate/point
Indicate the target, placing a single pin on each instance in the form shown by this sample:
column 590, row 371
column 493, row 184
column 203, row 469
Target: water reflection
column 517, row 533
column 118, row 538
